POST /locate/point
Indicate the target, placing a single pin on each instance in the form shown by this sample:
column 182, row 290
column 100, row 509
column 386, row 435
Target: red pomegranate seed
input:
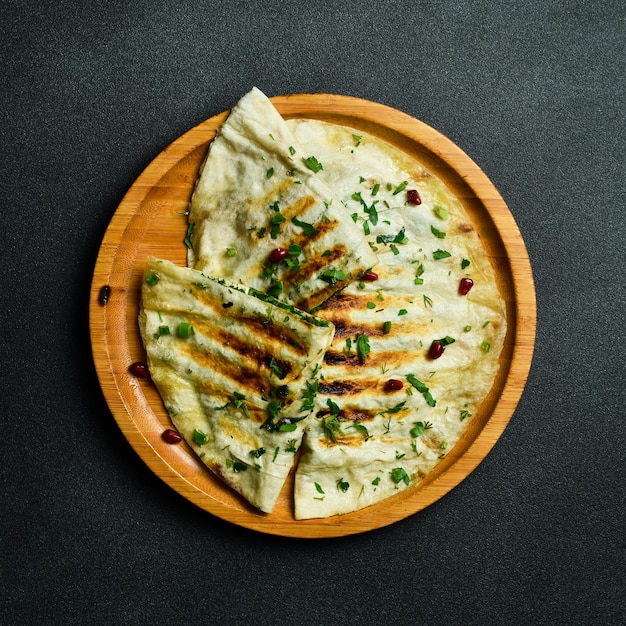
column 370, row 276
column 465, row 285
column 436, row 350
column 278, row 254
column 413, row 196
column 171, row 436
column 393, row 385
column 139, row 369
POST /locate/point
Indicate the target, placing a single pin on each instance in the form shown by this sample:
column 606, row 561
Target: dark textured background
column 534, row 93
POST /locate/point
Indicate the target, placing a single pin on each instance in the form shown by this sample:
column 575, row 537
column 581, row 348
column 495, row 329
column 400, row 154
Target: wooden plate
column 151, row 220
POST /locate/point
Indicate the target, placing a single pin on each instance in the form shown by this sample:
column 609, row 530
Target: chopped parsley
column 308, row 229
column 313, row 164
column 332, row 276
column 399, row 475
column 269, row 172
column 440, row 254
column 199, row 437
column 362, row 346
column 342, row 485
column 464, row 263
column 438, row 233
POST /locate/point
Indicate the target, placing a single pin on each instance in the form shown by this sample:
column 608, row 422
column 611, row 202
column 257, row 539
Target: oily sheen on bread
column 389, row 406
column 237, row 372
column 259, row 192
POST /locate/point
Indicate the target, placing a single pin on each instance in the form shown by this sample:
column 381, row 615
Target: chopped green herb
column 371, row 305
column 399, row 475
column 376, row 481
column 231, row 252
column 318, row 488
column 292, row 150
column 164, row 330
column 441, row 212
column 386, row 328
column 269, row 172
column 342, row 485
column 308, row 229
column 257, row 454
column 375, row 189
column 440, row 254
column 357, row 139
column 187, row 239
column 238, row 466
column 467, row 329
column 199, row 437
column 185, row 330
column 276, row 221
column 402, row 312
column 152, row 279
column 465, row 414
column 362, row 346
column 422, row 388
column 485, row 346
column 332, row 276
column 427, row 301
column 438, row 233
column 313, row 164
column 464, row 263
column 400, row 187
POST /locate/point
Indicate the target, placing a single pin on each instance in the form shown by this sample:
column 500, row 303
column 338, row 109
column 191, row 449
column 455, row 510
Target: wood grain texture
column 150, row 221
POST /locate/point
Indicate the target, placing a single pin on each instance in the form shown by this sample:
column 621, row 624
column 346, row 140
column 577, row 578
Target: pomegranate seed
column 393, row 385
column 278, row 254
column 370, row 276
column 436, row 350
column 413, row 196
column 103, row 296
column 465, row 285
column 139, row 369
column 171, row 436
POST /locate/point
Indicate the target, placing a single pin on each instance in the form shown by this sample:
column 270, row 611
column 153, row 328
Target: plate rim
column 326, row 106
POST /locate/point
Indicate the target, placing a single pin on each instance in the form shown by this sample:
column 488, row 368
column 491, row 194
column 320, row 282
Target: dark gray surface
column 534, row 93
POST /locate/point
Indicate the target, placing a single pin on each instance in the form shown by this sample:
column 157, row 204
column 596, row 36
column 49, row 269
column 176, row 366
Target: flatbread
column 237, row 372
column 365, row 441
column 259, row 191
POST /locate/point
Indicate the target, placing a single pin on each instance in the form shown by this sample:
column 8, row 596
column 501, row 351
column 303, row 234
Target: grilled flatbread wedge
column 389, row 405
column 237, row 373
column 258, row 192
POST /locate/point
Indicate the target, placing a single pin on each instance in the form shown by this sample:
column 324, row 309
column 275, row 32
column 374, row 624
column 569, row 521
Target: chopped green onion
column 231, row 252
column 441, row 212
column 187, row 239
column 185, row 330
column 269, row 172
column 386, row 328
column 152, row 279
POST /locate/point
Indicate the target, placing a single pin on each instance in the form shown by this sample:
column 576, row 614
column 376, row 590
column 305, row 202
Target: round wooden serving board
column 151, row 221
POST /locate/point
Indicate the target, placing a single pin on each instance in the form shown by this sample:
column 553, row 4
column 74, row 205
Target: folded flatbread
column 369, row 438
column 237, row 372
column 259, row 192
